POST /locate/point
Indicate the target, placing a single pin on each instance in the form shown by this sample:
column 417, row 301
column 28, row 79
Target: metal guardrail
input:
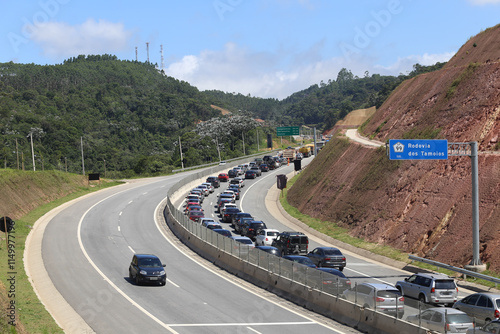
column 465, row 272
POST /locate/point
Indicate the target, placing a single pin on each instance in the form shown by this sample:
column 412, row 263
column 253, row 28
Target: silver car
column 492, row 327
column 380, row 297
column 443, row 319
column 483, row 306
column 429, row 288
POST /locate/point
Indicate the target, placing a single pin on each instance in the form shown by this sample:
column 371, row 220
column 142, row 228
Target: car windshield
column 458, row 319
column 445, row 284
column 149, row 263
column 332, row 252
column 245, row 241
column 305, row 260
column 388, row 293
column 272, row 234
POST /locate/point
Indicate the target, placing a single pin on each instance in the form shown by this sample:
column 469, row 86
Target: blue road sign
column 418, row 149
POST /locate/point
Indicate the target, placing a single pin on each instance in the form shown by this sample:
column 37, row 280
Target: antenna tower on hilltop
column 147, row 50
column 162, row 60
column 136, row 54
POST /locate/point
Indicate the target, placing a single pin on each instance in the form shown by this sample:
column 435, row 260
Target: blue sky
column 265, row 48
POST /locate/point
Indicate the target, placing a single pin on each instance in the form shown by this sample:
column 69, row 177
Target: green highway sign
column 287, row 131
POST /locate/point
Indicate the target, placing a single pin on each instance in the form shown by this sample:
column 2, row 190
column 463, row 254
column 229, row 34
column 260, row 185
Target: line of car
column 435, row 289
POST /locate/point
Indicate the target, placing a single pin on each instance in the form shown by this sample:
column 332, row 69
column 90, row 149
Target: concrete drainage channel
column 315, row 300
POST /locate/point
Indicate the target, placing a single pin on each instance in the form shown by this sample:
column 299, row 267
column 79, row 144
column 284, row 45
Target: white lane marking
column 245, row 324
column 243, row 196
column 113, row 285
column 130, row 202
column 173, row 283
column 120, row 213
column 119, row 228
column 363, row 274
column 253, row 330
column 311, row 321
column 133, row 251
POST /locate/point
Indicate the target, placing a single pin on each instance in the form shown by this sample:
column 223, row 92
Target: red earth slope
column 421, row 207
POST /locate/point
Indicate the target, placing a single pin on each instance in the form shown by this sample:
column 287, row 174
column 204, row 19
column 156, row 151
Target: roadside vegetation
column 331, row 229
column 31, row 315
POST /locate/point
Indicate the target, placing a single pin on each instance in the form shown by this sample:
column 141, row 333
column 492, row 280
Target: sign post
column 437, row 149
column 418, row 149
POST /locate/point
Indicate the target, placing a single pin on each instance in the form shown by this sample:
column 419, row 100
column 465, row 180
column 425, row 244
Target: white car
column 266, row 237
column 209, row 186
column 204, row 189
column 230, row 192
column 206, row 221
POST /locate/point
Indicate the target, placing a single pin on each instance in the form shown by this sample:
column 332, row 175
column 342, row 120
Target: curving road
column 86, row 250
column 88, row 244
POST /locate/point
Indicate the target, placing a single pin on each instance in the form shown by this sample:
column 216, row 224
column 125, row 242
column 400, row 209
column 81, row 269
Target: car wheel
column 341, row 268
column 421, row 298
column 487, row 320
column 130, row 276
column 137, row 281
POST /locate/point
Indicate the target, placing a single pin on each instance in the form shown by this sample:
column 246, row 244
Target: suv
column 239, row 215
column 291, row 243
column 214, row 180
column 380, row 297
column 147, row 268
column 429, row 288
column 252, row 228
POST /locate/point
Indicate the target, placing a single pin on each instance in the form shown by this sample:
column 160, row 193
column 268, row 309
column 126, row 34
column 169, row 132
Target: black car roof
column 146, row 256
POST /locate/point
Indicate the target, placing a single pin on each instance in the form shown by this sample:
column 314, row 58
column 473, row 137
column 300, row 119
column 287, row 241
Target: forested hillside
column 127, row 117
column 121, row 110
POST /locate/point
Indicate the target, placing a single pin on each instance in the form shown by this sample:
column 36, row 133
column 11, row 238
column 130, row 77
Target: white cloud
column 59, row 40
column 259, row 74
column 405, row 65
column 484, row 2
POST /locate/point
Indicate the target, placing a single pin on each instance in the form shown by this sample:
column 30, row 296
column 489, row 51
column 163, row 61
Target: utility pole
column 17, row 155
column 315, row 152
column 83, row 162
column 218, row 149
column 258, row 149
column 32, row 150
column 180, row 149
column 243, row 136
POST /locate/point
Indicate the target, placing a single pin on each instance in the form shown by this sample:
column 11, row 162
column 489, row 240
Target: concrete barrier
column 326, row 304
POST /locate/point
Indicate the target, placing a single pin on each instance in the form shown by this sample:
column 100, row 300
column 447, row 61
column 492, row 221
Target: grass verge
column 30, row 314
column 339, row 233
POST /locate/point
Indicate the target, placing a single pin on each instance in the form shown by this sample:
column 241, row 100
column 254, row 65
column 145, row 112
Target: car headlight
column 162, row 272
column 143, row 272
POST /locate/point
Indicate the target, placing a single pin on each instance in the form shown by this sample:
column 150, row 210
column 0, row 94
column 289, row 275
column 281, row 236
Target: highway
column 88, row 245
column 86, row 250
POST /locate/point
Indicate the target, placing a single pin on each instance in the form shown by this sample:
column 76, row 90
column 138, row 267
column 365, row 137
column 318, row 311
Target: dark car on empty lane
column 330, row 257
column 147, row 268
